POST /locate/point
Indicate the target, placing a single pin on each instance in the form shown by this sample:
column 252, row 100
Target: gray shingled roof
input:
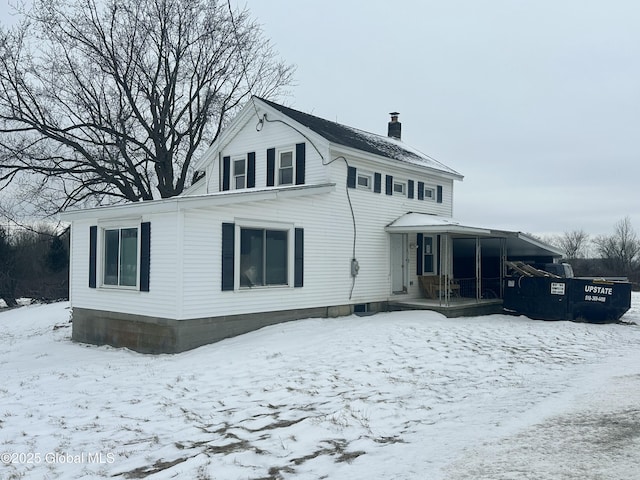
column 367, row 142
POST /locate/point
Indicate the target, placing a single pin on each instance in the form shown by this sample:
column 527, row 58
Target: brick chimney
column 395, row 127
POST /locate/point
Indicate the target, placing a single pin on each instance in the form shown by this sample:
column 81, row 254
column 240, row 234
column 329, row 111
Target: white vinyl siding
column 186, row 243
column 272, row 135
column 161, row 300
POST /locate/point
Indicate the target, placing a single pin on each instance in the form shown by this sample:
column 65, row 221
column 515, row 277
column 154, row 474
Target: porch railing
column 489, row 287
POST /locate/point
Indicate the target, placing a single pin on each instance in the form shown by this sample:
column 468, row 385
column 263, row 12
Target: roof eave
column 452, row 175
column 198, row 201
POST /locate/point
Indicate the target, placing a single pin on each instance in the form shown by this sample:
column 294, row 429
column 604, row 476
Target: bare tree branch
column 116, row 99
column 574, row 243
column 621, row 251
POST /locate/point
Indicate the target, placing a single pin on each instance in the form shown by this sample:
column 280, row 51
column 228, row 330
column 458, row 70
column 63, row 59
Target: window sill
column 118, row 288
column 262, row 287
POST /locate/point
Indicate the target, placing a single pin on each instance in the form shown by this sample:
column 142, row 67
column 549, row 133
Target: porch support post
column 503, row 264
column 478, row 269
column 444, row 243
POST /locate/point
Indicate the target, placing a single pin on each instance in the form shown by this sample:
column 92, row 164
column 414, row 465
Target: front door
column 399, row 263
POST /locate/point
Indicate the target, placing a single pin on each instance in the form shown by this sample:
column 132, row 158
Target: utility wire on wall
column 324, row 163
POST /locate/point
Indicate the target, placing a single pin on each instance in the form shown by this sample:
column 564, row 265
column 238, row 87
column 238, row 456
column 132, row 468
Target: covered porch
column 460, row 268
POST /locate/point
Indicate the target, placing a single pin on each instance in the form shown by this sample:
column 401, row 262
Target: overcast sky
column 535, row 102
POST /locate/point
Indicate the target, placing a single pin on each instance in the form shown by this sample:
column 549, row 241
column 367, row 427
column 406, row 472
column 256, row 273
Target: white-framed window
column 364, row 181
column 286, row 167
column 120, row 256
column 399, row 188
column 430, row 193
column 239, row 172
column 428, row 255
column 264, row 256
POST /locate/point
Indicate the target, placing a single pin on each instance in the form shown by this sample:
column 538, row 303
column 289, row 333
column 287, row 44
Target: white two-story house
column 293, row 216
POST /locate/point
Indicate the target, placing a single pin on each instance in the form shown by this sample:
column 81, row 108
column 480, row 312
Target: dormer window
column 286, row 168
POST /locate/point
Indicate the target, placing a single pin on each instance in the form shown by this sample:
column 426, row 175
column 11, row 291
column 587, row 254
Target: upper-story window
column 239, row 173
column 429, row 193
column 364, row 181
column 286, row 165
column 286, row 168
column 399, row 188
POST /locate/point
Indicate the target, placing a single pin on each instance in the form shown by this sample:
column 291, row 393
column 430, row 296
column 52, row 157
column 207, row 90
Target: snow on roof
column 412, row 219
column 365, row 141
column 517, row 242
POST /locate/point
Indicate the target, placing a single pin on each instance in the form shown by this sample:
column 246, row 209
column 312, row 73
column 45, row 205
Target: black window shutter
column 300, row 163
column 420, row 190
column 410, row 189
column 145, row 255
column 251, row 169
column 439, row 194
column 351, row 177
column 420, row 241
column 377, row 183
column 228, row 244
column 271, row 167
column 388, row 187
column 93, row 249
column 299, row 258
column 226, row 173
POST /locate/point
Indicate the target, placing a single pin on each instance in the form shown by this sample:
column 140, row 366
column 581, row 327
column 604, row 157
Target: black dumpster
column 581, row 299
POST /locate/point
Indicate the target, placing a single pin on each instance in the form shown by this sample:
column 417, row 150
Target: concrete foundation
column 164, row 335
column 456, row 308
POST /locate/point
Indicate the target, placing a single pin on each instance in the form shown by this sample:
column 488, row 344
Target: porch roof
column 517, row 243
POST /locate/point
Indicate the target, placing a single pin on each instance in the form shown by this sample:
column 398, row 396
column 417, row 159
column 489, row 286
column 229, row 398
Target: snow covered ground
column 406, row 395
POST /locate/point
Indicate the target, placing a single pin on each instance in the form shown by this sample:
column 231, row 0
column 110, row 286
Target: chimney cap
column 394, row 114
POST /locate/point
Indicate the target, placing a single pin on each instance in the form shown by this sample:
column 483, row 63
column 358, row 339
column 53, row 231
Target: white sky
column 537, row 103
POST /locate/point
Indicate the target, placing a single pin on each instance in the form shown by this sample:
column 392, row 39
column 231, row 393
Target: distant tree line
column 617, row 254
column 34, row 263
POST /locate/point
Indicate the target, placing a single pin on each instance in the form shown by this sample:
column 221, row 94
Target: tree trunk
column 10, row 301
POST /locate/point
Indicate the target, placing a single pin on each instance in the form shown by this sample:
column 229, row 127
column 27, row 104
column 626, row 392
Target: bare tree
column 573, row 243
column 112, row 101
column 34, row 263
column 621, row 250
